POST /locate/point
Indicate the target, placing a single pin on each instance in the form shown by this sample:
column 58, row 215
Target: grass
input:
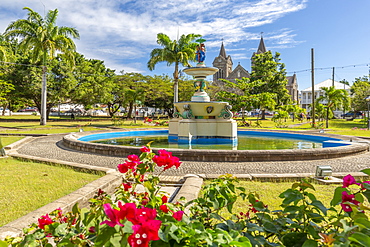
column 26, row 186
column 269, row 193
column 6, row 140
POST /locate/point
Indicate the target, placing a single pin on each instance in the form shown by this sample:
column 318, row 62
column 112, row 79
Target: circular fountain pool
column 246, row 141
column 326, row 146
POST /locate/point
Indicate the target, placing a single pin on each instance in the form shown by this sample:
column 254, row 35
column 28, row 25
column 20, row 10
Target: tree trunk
column 176, row 85
column 131, row 107
column 327, row 118
column 43, row 97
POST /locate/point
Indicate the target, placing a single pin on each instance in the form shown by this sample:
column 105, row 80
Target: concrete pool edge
column 352, row 146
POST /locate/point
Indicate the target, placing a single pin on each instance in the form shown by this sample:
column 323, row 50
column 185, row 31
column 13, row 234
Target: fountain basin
column 335, row 146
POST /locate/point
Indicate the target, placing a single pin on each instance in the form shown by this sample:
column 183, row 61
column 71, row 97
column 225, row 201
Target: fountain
column 201, row 120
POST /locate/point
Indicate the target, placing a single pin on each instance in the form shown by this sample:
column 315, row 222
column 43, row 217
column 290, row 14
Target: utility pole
column 333, row 77
column 313, row 87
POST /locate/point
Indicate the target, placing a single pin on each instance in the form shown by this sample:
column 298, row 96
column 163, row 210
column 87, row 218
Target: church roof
column 291, row 79
column 261, row 47
column 222, row 50
column 327, row 83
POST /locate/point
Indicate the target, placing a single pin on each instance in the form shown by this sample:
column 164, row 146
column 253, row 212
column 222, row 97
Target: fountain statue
column 201, row 120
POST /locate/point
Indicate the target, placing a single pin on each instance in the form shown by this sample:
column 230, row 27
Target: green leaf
column 61, row 230
column 104, row 235
column 159, row 243
column 360, row 238
column 270, row 227
column 310, row 243
column 366, row 171
column 363, row 223
column 319, row 205
column 291, row 209
column 3, row 244
column 245, row 243
column 337, row 196
column 294, row 239
column 115, row 240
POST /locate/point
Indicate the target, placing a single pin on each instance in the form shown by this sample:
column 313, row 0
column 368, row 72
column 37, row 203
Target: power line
column 327, row 68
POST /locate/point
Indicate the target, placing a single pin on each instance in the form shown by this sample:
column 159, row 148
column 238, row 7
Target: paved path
column 52, row 147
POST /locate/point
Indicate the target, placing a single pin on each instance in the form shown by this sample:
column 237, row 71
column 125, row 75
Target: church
column 224, row 64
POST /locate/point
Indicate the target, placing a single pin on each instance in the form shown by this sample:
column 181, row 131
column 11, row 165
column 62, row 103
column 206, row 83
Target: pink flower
column 348, row 180
column 145, row 149
column 113, row 215
column 44, row 220
column 144, row 233
column 178, row 215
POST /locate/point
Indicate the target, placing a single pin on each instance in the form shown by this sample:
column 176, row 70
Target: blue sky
column 123, row 32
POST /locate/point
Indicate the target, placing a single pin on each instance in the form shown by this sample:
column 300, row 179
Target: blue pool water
column 247, row 140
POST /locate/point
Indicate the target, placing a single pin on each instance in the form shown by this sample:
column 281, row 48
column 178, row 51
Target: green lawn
column 26, row 186
column 6, row 140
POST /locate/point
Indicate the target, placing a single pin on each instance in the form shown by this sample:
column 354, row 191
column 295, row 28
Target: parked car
column 351, row 114
column 29, row 109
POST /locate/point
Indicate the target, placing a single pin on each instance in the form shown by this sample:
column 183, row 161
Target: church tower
column 223, row 63
column 261, row 49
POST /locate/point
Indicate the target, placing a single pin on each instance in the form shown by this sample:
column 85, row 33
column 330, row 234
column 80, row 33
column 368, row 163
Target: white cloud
column 114, row 30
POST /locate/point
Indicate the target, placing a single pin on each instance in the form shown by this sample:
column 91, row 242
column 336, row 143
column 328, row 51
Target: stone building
column 224, row 64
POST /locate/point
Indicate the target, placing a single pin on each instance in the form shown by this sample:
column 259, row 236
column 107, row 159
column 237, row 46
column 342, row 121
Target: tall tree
column 43, row 39
column 176, row 52
column 333, row 99
column 359, row 91
column 269, row 76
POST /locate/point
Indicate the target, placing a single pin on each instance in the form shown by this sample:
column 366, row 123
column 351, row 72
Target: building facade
column 306, row 94
column 224, row 64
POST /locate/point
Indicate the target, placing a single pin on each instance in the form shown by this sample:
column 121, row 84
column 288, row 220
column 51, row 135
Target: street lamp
column 368, row 116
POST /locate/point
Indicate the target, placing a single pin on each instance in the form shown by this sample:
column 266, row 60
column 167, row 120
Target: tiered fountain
column 201, row 120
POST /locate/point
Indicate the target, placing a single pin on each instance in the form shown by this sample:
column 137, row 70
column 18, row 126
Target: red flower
column 92, row 229
column 348, row 180
column 143, row 215
column 123, row 168
column 178, row 215
column 164, row 208
column 44, row 220
column 348, row 198
column 144, row 233
column 145, row 149
column 164, row 199
column 133, row 157
column 166, row 159
column 127, row 186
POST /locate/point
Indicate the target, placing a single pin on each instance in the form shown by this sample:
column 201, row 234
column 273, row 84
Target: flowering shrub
column 148, row 120
column 147, row 218
column 161, row 123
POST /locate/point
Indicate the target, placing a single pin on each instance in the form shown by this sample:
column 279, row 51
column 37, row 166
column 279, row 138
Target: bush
column 131, row 218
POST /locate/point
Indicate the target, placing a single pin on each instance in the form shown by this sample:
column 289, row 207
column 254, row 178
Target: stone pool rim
column 350, row 145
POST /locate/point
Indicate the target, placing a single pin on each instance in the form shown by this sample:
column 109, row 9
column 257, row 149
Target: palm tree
column 174, row 52
column 42, row 38
column 334, row 98
column 5, row 49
